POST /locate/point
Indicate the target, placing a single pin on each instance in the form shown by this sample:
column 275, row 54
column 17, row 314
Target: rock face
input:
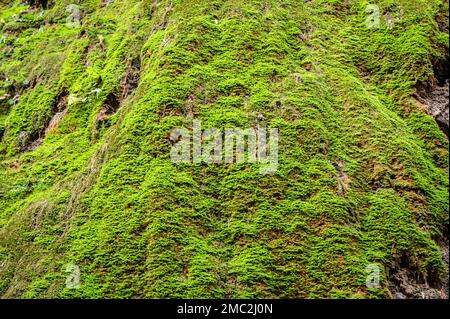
column 406, row 282
column 435, row 98
column 357, row 208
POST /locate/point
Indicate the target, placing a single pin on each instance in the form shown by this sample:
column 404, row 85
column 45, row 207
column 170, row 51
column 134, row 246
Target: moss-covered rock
column 89, row 94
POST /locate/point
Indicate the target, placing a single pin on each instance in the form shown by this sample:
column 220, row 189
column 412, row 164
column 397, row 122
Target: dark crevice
column 434, row 94
column 111, row 104
column 31, row 141
column 113, row 101
column 110, row 107
column 441, row 70
column 442, row 18
column 405, row 281
column 60, row 102
column 131, row 79
column 38, row 3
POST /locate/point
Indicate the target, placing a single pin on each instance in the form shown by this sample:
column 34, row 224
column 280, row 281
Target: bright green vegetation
column 363, row 171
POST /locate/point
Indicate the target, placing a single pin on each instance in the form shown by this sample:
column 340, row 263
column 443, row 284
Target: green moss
column 361, row 179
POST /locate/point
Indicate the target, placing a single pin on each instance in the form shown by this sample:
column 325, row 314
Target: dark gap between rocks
column 113, row 101
column 37, row 3
column 434, row 95
column 131, row 79
column 31, row 141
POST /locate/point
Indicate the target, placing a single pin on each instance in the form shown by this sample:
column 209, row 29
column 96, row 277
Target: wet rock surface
column 435, row 99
